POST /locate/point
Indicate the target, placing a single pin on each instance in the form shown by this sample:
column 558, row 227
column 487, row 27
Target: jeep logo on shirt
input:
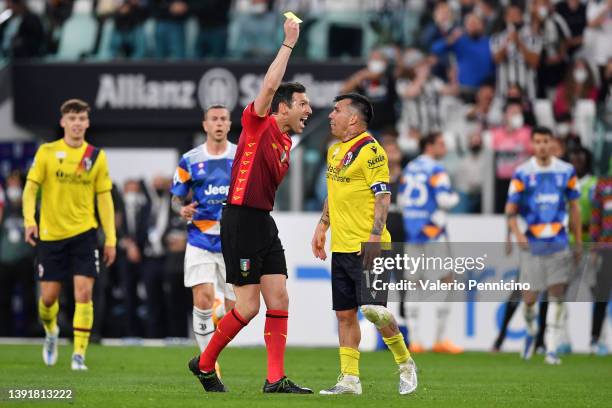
column 215, row 190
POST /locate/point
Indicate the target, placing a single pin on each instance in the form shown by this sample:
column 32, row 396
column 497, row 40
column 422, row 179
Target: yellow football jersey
column 355, row 169
column 69, row 179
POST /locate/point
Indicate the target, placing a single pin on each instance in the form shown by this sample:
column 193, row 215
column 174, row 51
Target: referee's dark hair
column 217, row 106
column 428, row 139
column 284, row 94
column 541, row 130
column 361, row 103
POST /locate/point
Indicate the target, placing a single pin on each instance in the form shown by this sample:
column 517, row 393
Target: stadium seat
column 543, row 111
column 105, row 39
column 192, row 31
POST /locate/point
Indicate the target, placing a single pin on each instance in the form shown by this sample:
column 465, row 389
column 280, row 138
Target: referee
column 72, row 177
column 356, row 210
column 253, row 254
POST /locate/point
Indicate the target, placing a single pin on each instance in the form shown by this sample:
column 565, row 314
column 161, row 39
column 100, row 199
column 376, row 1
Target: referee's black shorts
column 352, row 286
column 250, row 244
column 60, row 260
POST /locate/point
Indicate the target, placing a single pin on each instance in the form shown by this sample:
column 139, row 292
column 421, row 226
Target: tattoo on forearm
column 325, row 216
column 381, row 209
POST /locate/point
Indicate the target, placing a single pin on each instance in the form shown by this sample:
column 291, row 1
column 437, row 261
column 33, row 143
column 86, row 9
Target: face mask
column 258, row 8
column 518, row 26
column 131, row 199
column 516, row 121
column 580, row 75
column 160, row 191
column 563, row 129
column 13, row 193
column 543, row 12
column 475, row 149
column 377, row 66
column 475, row 36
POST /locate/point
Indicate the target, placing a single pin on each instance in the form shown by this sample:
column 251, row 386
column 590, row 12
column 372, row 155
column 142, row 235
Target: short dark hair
column 361, row 103
column 428, row 139
column 217, row 106
column 284, row 94
column 588, row 156
column 541, row 130
column 74, row 106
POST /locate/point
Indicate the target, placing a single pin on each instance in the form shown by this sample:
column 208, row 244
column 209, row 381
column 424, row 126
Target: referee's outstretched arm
column 276, row 71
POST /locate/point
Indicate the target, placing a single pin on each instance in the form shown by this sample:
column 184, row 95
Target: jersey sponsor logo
column 215, row 190
column 544, row 198
column 376, row 162
column 71, row 178
column 333, row 174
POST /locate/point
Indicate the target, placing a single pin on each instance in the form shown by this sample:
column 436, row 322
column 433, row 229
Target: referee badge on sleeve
column 245, row 265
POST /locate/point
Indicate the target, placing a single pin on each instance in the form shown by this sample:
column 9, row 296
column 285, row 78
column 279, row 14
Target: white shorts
column 202, row 266
column 544, row 271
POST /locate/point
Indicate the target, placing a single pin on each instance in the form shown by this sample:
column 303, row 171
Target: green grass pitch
column 158, row 377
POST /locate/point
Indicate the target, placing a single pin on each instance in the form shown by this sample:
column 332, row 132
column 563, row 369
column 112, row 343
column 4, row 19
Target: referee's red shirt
column 261, row 161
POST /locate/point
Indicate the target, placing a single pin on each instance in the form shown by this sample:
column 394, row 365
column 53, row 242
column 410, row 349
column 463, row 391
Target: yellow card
column 292, row 16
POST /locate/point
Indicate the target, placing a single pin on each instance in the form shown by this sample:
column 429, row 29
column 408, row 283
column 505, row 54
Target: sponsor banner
column 158, row 94
column 472, row 325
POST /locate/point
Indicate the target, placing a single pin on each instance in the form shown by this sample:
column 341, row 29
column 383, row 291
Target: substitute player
column 253, row 254
column 205, row 172
column 356, row 210
column 72, row 177
column 425, row 197
column 539, row 192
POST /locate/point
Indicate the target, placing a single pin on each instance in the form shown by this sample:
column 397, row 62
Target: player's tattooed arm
column 177, row 203
column 381, row 209
column 325, row 216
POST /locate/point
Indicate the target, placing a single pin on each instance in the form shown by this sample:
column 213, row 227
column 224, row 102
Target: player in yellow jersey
column 356, row 209
column 72, row 177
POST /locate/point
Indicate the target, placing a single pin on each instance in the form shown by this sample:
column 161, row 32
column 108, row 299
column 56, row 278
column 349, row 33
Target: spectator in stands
column 22, row 35
column 469, row 175
column 213, row 18
column 555, row 34
column 442, row 25
column 257, row 29
column 605, row 95
column 177, row 298
column 516, row 94
column 472, row 53
column 558, row 148
column 579, row 84
column 564, row 129
column 516, row 52
column 16, row 260
column 376, row 81
column 487, row 11
column 483, row 112
column 135, row 225
column 170, row 17
column 574, row 14
column 511, row 146
column 155, row 254
column 56, row 13
column 420, row 92
column 128, row 38
column 597, row 36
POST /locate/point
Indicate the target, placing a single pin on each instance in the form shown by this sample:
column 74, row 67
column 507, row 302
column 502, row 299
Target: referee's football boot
column 284, row 386
column 209, row 380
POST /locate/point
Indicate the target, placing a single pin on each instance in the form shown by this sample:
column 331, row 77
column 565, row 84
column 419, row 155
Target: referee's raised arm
column 276, row 71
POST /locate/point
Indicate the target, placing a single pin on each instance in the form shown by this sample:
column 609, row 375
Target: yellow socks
column 398, row 347
column 48, row 315
column 82, row 323
column 349, row 361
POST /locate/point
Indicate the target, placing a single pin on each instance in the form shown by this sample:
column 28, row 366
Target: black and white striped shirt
column 514, row 69
column 422, row 113
column 554, row 32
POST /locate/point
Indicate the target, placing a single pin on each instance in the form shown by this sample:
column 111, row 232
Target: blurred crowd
column 143, row 289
